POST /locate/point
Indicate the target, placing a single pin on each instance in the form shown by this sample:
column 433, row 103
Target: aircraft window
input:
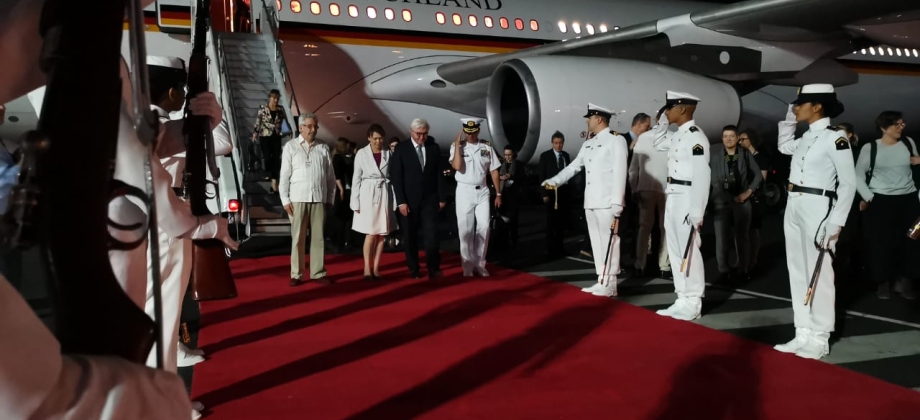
column 602, row 28
column 372, row 12
column 872, row 50
column 353, row 11
column 407, row 15
column 503, row 22
column 278, row 4
column 315, row 8
column 534, row 26
column 915, row 53
column 576, row 27
column 389, row 13
column 562, row 27
column 519, row 24
column 334, row 9
column 295, row 6
column 473, row 20
column 898, row 50
column 590, row 28
column 488, row 21
column 889, row 52
column 440, row 18
column 457, row 19
column 616, row 28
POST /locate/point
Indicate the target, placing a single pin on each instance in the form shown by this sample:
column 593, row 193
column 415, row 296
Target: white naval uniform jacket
column 688, row 160
column 821, row 159
column 603, row 159
column 171, row 147
column 479, row 160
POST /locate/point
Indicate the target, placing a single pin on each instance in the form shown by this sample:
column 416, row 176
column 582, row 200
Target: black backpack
column 873, row 151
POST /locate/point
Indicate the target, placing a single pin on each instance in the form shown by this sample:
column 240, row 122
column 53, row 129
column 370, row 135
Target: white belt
column 379, row 184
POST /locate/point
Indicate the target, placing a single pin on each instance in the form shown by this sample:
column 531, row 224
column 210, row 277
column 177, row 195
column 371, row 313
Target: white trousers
column 130, row 267
column 804, row 216
column 473, row 212
column 677, row 228
column 175, row 273
column 599, row 221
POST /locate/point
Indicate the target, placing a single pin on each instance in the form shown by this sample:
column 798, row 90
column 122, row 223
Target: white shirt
column 306, row 173
column 479, row 159
column 821, row 159
column 604, row 160
column 649, row 168
column 688, row 160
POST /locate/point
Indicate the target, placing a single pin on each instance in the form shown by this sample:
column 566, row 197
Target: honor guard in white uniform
column 474, row 160
column 603, row 158
column 176, row 253
column 822, row 185
column 688, row 194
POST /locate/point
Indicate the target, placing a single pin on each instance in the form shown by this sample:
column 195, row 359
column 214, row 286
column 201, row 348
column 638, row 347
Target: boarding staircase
column 252, row 64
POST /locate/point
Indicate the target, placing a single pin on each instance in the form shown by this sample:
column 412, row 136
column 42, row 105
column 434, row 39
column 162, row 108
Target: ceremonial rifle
column 211, row 276
column 60, row 206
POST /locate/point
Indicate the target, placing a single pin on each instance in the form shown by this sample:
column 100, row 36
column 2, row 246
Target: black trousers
column 424, row 218
column 271, row 154
column 556, row 220
column 890, row 253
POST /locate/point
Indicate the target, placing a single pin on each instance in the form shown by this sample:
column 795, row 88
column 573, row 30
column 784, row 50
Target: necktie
column 421, row 158
column 559, row 162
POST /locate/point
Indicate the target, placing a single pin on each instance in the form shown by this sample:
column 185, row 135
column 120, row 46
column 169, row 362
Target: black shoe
column 415, row 275
column 297, row 282
column 435, row 274
column 667, row 275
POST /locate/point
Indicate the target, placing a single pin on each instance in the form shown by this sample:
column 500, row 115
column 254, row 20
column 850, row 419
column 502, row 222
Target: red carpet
column 512, row 347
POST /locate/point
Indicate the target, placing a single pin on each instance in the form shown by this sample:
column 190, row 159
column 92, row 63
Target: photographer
column 735, row 177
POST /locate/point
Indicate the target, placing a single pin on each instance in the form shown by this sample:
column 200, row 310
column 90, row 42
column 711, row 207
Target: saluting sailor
column 688, row 194
column 474, row 160
column 822, row 185
column 603, row 158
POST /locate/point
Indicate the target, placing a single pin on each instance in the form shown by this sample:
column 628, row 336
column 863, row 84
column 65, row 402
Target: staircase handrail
column 227, row 95
column 288, row 95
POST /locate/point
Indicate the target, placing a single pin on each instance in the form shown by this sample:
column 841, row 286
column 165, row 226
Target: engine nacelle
column 531, row 98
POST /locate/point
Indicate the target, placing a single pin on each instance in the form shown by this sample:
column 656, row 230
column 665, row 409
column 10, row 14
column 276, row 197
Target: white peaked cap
column 471, row 124
column 168, row 62
column 818, row 88
column 677, row 98
column 598, row 110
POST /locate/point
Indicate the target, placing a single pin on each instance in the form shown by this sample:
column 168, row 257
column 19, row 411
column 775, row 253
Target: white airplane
column 530, row 67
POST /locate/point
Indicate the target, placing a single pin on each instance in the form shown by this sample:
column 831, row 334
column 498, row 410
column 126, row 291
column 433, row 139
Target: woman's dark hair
column 274, row 92
column 376, row 128
column 887, row 119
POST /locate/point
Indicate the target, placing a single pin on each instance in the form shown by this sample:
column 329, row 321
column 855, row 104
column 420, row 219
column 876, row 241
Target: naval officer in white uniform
column 474, row 160
column 822, row 185
column 688, row 194
column 603, row 159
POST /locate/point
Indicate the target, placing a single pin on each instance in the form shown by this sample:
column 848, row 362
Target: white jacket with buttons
column 603, row 159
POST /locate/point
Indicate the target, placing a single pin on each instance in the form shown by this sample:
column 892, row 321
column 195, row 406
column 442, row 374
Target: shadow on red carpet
column 513, row 346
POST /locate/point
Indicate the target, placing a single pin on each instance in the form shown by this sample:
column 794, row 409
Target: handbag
column 285, row 128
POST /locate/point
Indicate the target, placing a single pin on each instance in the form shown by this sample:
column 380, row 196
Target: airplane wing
column 776, row 41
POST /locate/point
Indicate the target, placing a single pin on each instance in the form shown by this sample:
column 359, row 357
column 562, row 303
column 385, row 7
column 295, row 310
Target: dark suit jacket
column 410, row 184
column 747, row 168
column 548, row 168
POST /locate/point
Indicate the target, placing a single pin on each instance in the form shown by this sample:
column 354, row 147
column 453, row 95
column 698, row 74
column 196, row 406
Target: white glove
column 663, row 120
column 831, row 232
column 545, row 183
column 617, row 210
column 790, row 115
column 206, row 104
column 214, row 227
column 695, row 221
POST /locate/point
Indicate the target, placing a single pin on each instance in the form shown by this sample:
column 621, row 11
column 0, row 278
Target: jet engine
column 531, row 98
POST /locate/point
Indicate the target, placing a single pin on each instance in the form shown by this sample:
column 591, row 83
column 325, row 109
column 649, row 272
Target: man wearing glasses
column 418, row 186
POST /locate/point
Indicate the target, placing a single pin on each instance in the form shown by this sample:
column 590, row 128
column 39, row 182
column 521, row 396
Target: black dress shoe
column 368, row 278
column 296, row 282
column 415, row 275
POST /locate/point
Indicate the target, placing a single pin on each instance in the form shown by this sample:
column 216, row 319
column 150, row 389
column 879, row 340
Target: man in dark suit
column 418, row 185
column 551, row 162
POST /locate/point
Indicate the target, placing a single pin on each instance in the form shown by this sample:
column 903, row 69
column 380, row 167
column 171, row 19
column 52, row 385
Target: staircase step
column 270, row 230
column 261, row 215
column 249, row 103
column 238, row 76
column 249, row 41
column 254, row 66
column 246, row 54
column 260, row 87
column 243, row 94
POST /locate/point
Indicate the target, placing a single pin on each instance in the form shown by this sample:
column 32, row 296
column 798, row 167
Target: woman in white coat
column 372, row 198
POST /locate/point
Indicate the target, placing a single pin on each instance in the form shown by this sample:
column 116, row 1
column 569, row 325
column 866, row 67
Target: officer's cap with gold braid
column 680, row 98
column 471, row 125
column 596, row 110
column 820, row 93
